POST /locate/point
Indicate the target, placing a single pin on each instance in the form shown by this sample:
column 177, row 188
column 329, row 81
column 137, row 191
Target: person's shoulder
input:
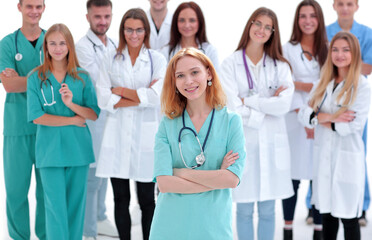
column 33, row 77
column 235, row 57
column 83, row 73
column 82, row 41
column 233, row 118
column 8, row 39
column 332, row 26
column 363, row 82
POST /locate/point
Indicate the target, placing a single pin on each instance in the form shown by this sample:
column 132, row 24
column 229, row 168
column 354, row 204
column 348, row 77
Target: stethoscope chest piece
column 200, row 159
column 18, row 57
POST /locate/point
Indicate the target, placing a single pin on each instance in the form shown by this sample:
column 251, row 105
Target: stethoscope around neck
column 249, row 77
column 51, row 89
column 18, row 56
column 200, row 159
column 95, row 45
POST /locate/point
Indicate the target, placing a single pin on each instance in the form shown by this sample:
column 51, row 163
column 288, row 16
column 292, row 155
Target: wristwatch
column 314, row 121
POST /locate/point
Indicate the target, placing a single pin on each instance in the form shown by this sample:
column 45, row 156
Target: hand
column 79, row 121
column 66, row 94
column 279, row 90
column 242, row 100
column 309, row 133
column 117, row 91
column 347, row 116
column 229, row 159
column 10, row 72
column 153, row 82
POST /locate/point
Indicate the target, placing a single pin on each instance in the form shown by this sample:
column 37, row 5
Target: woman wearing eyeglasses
column 259, row 86
column 188, row 30
column 307, row 52
column 60, row 97
column 129, row 88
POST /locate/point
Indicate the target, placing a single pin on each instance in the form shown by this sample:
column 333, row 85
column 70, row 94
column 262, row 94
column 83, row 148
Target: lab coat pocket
column 350, row 167
column 282, row 155
column 148, row 131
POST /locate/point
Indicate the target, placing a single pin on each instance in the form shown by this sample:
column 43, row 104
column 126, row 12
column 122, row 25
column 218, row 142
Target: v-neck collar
column 203, row 130
column 38, row 43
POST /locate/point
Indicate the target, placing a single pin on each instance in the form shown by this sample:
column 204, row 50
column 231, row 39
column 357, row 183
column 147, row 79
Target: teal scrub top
column 206, row 215
column 15, row 108
column 64, row 146
column 362, row 32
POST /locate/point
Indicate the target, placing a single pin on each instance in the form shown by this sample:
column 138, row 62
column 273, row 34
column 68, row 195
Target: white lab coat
column 208, row 49
column 159, row 40
column 339, row 166
column 129, row 135
column 267, row 172
column 301, row 148
column 90, row 58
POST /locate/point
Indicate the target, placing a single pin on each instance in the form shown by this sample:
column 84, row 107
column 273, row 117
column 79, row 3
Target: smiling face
column 261, row 29
column 191, row 78
column 31, row 11
column 307, row 20
column 134, row 33
column 341, row 54
column 188, row 24
column 345, row 9
column 99, row 19
column 57, row 47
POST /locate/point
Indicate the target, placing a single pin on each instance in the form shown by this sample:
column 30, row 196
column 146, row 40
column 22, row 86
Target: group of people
column 158, row 108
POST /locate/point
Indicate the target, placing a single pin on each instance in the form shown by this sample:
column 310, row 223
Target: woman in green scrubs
column 60, row 97
column 195, row 195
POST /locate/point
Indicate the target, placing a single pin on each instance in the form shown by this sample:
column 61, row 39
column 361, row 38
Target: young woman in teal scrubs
column 195, row 196
column 60, row 97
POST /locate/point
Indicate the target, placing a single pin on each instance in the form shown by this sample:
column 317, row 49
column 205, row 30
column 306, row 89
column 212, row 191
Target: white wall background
column 225, row 21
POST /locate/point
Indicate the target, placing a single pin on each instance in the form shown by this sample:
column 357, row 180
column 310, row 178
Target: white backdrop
column 225, row 21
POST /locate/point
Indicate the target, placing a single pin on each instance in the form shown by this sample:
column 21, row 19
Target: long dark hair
column 320, row 47
column 134, row 13
column 175, row 35
column 273, row 46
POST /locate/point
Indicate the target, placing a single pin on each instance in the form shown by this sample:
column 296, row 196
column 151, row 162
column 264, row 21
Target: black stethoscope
column 18, row 57
column 200, row 159
column 303, row 53
column 314, row 120
column 51, row 89
column 95, row 45
column 249, row 77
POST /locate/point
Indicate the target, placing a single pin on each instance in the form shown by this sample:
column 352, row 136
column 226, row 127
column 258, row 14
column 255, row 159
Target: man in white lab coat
column 160, row 23
column 90, row 51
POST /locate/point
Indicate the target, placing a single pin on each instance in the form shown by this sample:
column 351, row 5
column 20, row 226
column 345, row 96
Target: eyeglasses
column 130, row 31
column 267, row 28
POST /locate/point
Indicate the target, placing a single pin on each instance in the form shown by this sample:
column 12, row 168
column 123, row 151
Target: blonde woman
column 338, row 110
column 60, row 97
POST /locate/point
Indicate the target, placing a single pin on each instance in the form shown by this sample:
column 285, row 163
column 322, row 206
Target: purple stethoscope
column 249, row 77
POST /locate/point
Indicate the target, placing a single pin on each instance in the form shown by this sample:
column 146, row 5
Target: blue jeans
column 95, row 209
column 266, row 220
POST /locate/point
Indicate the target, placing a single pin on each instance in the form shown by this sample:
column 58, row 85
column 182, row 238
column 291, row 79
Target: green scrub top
column 64, row 146
column 15, row 108
column 205, row 215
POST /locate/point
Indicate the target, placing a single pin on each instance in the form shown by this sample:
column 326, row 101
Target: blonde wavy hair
column 330, row 72
column 173, row 103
